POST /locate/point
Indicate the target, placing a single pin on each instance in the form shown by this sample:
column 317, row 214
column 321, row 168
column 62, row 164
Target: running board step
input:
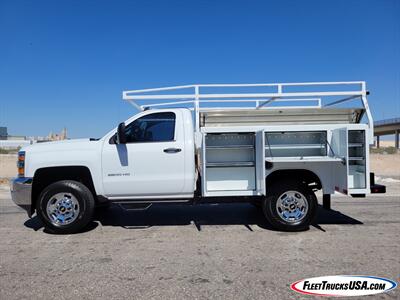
column 135, row 206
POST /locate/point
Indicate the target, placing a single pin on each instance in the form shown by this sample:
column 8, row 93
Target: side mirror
column 121, row 137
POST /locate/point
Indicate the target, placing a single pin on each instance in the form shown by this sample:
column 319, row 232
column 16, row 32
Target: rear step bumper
column 376, row 188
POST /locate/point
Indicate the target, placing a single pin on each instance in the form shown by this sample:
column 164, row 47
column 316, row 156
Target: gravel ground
column 197, row 252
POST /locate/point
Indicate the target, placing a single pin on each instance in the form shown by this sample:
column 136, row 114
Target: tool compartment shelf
column 356, row 144
column 233, row 164
column 357, row 160
column 230, row 161
column 295, row 144
column 235, row 147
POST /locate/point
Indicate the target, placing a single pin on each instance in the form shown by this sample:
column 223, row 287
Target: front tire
column 290, row 205
column 65, row 207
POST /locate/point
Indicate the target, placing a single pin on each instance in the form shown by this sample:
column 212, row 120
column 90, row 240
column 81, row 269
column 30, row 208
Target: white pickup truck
column 193, row 147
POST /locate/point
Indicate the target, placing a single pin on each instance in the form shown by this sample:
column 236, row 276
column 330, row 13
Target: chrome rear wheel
column 292, row 206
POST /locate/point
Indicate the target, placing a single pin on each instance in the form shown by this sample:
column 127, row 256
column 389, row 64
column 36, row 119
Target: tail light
column 21, row 164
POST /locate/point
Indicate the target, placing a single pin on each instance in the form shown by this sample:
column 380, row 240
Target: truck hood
column 65, row 145
column 80, row 152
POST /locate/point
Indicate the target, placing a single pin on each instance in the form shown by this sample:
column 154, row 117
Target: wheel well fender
column 43, row 177
column 306, row 176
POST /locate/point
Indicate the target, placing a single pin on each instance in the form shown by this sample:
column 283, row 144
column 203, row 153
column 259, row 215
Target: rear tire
column 290, row 205
column 65, row 207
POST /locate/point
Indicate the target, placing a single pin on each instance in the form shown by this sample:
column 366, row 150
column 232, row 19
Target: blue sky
column 65, row 63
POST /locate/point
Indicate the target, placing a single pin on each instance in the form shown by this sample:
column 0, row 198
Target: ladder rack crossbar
column 318, row 100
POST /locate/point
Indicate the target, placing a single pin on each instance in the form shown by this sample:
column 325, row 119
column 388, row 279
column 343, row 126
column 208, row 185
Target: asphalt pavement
column 225, row 251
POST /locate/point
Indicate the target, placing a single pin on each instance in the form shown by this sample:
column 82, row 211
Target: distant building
column 3, row 133
column 58, row 137
column 12, row 141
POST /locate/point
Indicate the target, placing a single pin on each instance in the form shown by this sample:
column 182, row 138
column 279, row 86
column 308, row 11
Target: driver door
column 151, row 163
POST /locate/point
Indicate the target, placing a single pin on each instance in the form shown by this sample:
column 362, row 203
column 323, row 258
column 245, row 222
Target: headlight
column 21, row 164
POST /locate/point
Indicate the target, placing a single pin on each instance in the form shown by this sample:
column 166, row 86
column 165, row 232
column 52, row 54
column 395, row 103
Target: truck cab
column 155, row 158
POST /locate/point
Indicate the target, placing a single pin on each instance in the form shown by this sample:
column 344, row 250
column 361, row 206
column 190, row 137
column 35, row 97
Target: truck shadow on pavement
column 197, row 215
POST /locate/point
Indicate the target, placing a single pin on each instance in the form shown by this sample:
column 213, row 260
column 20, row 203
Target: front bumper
column 21, row 192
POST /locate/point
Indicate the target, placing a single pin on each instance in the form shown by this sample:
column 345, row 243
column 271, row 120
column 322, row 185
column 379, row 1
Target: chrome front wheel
column 62, row 209
column 65, row 206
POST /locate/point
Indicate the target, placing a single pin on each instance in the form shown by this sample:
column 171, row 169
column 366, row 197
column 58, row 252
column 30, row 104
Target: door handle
column 172, row 150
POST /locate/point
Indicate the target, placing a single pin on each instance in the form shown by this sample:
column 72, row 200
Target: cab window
column 157, row 127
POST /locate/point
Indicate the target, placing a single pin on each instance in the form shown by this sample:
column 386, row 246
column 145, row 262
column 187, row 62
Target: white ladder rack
column 254, row 96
